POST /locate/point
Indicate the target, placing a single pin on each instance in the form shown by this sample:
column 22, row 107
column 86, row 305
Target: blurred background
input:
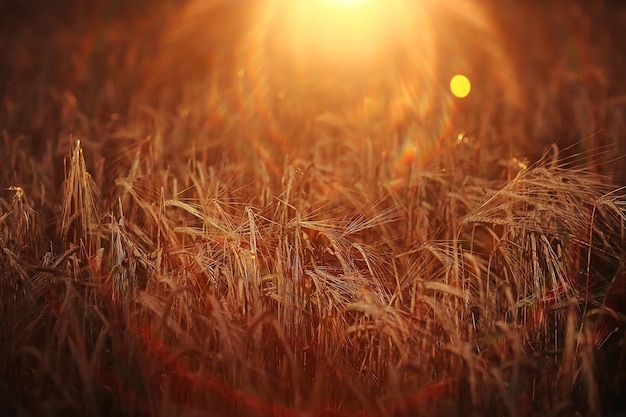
column 541, row 72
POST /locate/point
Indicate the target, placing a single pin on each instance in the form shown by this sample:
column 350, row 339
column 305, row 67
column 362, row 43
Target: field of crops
column 270, row 208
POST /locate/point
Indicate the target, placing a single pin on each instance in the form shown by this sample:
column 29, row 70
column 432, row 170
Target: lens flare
column 380, row 66
column 345, row 2
column 340, row 32
column 460, row 86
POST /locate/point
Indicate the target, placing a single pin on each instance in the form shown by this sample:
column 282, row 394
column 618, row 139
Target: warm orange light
column 339, row 31
column 345, row 2
column 460, row 86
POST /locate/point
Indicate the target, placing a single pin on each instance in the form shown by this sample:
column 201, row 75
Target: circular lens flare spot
column 460, row 86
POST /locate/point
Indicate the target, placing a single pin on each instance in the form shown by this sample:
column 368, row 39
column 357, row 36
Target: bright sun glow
column 345, row 2
column 342, row 30
column 460, row 86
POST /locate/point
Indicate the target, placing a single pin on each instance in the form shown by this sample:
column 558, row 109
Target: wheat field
column 187, row 229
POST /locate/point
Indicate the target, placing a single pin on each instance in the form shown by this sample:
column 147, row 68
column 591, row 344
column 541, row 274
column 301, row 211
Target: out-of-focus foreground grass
column 185, row 230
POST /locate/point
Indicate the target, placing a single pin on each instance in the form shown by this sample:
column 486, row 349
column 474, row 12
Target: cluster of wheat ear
column 162, row 254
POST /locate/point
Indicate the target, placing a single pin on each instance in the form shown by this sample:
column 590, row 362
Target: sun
column 346, row 2
column 339, row 31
